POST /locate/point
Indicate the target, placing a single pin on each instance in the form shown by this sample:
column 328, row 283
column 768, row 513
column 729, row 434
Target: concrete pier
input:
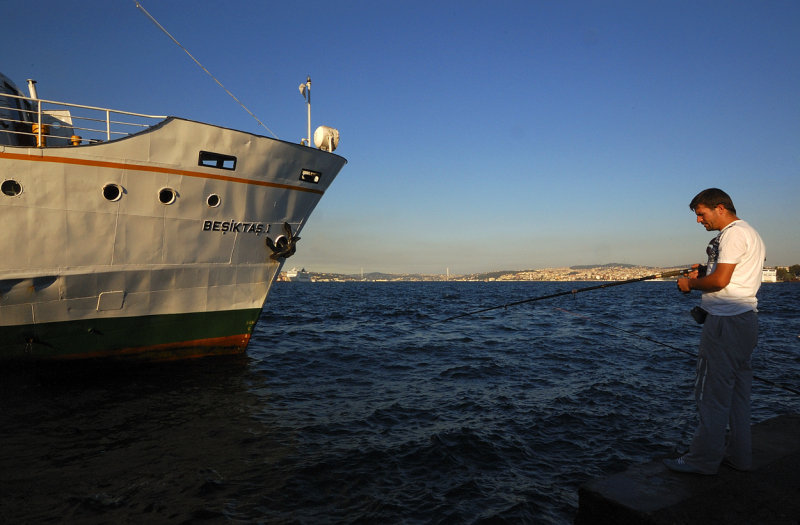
column 652, row 494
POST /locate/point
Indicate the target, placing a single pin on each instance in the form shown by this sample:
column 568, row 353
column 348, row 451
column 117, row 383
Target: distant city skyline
column 479, row 136
column 582, row 270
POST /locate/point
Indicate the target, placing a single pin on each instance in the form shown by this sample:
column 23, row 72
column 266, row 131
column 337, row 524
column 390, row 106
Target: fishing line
column 650, row 339
column 140, row 6
column 672, row 273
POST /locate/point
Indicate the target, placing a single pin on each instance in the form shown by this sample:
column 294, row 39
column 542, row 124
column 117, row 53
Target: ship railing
column 55, row 123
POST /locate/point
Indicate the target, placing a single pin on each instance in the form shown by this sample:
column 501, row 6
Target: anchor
column 285, row 245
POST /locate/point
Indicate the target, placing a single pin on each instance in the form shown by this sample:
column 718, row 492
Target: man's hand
column 683, row 282
column 713, row 282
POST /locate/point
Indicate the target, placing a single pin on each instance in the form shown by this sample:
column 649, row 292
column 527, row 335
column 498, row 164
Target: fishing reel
column 699, row 314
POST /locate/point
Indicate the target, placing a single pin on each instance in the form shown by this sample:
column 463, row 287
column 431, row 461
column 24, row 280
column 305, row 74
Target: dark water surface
column 347, row 408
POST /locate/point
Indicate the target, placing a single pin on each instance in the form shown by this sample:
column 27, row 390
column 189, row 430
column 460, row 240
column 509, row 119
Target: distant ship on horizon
column 302, row 276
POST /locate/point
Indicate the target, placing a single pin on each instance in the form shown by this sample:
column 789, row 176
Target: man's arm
column 710, row 283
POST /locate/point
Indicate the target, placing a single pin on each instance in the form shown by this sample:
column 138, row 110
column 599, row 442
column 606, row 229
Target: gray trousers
column 722, row 392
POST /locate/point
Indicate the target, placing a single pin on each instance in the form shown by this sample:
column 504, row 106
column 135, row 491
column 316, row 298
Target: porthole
column 167, row 195
column 213, row 200
column 11, row 188
column 112, row 192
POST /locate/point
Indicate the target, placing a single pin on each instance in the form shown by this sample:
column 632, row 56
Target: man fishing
column 730, row 332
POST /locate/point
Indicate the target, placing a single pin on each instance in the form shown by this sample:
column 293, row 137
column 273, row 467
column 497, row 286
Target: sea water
column 353, row 404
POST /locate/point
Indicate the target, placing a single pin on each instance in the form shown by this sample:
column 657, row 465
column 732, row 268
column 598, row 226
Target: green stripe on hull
column 153, row 337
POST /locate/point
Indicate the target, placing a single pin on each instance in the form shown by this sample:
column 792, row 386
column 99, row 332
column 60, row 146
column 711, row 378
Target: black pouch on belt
column 699, row 314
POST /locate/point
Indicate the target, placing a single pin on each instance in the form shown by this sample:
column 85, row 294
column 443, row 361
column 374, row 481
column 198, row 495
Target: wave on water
column 354, row 405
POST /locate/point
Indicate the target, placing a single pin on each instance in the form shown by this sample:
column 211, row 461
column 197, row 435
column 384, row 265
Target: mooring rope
column 650, row 339
column 140, row 6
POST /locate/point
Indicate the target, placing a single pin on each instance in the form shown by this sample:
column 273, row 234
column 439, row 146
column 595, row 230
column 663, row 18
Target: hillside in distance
column 600, row 272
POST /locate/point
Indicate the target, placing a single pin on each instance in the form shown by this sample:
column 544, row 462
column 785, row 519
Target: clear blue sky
column 480, row 135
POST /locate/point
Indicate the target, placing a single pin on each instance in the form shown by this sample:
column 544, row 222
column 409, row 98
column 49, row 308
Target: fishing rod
column 672, row 273
column 681, row 350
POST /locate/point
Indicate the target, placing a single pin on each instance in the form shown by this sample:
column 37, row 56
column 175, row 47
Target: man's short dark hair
column 711, row 198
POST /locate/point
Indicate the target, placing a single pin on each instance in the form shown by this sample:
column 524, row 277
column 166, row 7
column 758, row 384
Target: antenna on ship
column 305, row 90
column 325, row 138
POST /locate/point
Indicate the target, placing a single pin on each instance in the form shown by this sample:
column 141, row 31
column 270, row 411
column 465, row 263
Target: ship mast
column 305, row 90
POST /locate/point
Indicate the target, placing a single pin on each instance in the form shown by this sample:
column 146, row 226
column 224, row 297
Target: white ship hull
column 83, row 275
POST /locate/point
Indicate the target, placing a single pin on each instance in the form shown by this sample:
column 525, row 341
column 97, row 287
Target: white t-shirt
column 738, row 243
